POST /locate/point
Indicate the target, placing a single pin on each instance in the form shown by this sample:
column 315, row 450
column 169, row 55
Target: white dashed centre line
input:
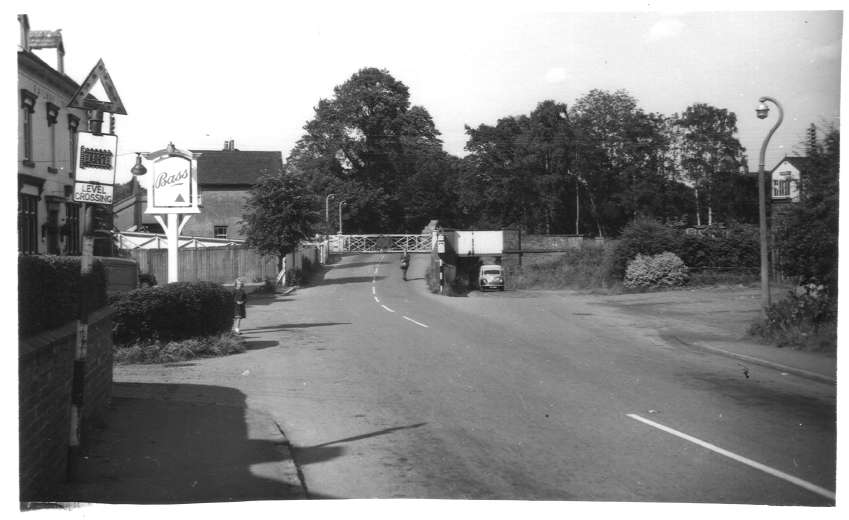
column 749, row 462
column 420, row 324
column 387, row 308
column 377, row 299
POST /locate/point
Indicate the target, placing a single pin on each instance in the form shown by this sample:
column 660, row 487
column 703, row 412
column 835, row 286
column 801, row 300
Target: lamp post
column 327, row 209
column 763, row 111
column 341, row 203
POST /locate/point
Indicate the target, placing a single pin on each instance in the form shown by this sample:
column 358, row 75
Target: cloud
column 555, row 75
column 668, row 28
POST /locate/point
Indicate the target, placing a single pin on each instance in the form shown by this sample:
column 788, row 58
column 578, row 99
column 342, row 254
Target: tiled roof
column 801, row 163
column 235, row 167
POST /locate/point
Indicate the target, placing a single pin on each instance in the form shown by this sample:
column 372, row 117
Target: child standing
column 239, row 299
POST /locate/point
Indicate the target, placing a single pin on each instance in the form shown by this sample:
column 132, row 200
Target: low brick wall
column 45, row 372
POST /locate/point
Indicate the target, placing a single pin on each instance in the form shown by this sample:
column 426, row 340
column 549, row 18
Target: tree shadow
column 349, row 279
column 177, row 443
column 287, row 326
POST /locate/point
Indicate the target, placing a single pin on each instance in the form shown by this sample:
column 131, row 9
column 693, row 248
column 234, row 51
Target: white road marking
column 749, row 462
column 387, row 308
column 377, row 299
column 373, row 290
column 420, row 324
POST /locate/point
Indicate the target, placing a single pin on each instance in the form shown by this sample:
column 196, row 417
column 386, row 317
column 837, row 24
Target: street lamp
column 763, row 111
column 327, row 209
column 139, row 168
column 341, row 203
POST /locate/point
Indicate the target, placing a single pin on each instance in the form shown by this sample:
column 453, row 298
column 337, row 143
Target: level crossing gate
column 420, row 243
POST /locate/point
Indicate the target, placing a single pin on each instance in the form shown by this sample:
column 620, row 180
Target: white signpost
column 173, row 192
column 95, row 169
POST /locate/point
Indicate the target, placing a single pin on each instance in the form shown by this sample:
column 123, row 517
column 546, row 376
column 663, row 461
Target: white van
column 491, row 277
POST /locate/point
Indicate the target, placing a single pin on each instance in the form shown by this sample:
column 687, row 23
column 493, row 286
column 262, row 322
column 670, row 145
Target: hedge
column 173, row 311
column 49, row 289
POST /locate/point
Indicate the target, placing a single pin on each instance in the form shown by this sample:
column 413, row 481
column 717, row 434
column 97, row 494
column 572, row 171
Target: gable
column 235, row 167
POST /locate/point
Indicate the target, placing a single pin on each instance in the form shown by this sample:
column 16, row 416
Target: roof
column 235, row 167
column 801, row 163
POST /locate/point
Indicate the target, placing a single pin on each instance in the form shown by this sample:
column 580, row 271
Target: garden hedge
column 49, row 289
column 174, row 311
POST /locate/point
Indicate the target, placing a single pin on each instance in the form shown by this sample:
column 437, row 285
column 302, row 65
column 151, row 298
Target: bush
column 172, row 312
column 157, row 352
column 49, row 289
column 806, row 318
column 736, row 247
column 645, row 237
column 663, row 270
column 582, row 268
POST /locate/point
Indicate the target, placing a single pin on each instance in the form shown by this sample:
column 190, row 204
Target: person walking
column 405, row 263
column 239, row 300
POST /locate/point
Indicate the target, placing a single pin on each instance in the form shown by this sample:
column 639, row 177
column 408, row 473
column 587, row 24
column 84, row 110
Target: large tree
column 279, row 214
column 366, row 145
column 709, row 148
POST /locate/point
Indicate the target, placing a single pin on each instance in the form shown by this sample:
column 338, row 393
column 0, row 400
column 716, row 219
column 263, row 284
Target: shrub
column 582, row 268
column 806, row 318
column 49, row 289
column 663, row 270
column 157, row 352
column 172, row 312
column 643, row 236
column 735, row 247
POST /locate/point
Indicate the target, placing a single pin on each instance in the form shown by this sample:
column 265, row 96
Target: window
column 52, row 118
column 781, row 186
column 27, row 224
column 220, row 231
column 72, row 221
column 73, row 125
column 27, row 108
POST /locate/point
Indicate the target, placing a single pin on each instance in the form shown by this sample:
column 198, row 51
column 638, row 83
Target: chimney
column 226, row 146
column 24, row 21
column 232, row 145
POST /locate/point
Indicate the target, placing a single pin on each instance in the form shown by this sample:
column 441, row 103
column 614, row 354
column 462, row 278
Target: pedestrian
column 405, row 263
column 239, row 299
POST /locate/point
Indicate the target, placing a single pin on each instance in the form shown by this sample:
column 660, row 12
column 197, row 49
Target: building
column 225, row 178
column 48, row 218
column 786, row 179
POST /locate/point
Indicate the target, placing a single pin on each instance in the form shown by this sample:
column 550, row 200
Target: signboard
column 45, row 39
column 96, row 157
column 83, row 98
column 93, row 193
column 173, row 185
column 440, row 244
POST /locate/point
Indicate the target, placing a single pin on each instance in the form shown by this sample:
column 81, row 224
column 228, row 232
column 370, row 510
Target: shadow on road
column 287, row 326
column 175, row 443
column 326, row 451
column 259, row 345
column 348, row 279
column 357, row 264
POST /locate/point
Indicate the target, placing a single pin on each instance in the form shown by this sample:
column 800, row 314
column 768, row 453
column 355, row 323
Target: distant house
column 225, row 178
column 786, row 179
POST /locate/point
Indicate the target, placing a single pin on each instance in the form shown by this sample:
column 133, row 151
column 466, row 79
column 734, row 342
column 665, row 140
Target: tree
column 708, row 148
column 280, row 213
column 807, row 233
column 365, row 145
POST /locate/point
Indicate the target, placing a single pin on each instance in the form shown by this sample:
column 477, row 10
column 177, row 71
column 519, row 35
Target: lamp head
column 139, row 168
column 762, row 111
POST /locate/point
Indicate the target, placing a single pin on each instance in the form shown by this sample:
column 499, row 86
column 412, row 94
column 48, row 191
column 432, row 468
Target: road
column 387, row 391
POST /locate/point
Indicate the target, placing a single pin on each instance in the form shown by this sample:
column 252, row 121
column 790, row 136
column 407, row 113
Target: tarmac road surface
column 387, row 391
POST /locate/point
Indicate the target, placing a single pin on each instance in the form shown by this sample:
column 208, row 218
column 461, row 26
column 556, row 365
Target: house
column 48, row 218
column 225, row 178
column 786, row 179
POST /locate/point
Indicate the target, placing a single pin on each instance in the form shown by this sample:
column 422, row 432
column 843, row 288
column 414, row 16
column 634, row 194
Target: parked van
column 491, row 277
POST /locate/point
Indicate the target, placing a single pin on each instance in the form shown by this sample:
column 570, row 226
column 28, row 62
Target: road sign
column 173, row 185
column 83, row 98
column 93, row 193
column 96, row 154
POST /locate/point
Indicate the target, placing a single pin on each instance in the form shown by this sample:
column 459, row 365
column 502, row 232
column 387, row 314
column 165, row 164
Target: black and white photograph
column 384, row 259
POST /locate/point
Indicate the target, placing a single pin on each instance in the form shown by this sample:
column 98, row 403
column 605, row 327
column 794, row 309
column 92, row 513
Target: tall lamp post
column 763, row 111
column 327, row 209
column 341, row 203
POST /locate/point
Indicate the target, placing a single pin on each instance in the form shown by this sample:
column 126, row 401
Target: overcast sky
column 199, row 74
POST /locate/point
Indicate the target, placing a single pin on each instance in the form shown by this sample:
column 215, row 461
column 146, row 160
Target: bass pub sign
column 173, row 185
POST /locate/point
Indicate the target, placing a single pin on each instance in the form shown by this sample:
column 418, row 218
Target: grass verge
column 156, row 352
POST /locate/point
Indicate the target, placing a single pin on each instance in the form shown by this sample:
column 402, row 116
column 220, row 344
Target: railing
column 380, row 243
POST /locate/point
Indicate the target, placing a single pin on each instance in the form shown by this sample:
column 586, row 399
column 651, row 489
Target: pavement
column 172, row 442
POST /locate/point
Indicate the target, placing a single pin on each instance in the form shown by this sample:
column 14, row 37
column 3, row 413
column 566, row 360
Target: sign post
column 173, row 193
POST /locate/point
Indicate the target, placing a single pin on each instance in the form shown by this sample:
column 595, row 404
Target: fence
column 219, row 264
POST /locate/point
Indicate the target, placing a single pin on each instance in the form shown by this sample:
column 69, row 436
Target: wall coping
column 29, row 346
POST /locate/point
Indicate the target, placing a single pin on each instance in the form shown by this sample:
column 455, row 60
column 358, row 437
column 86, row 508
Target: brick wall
column 45, row 370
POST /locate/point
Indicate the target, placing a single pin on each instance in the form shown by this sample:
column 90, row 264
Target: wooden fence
column 219, row 264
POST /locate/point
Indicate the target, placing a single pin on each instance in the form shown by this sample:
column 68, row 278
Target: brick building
column 225, row 178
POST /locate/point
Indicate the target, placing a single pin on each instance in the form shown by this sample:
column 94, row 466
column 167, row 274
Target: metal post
column 340, row 216
column 765, row 296
column 327, row 209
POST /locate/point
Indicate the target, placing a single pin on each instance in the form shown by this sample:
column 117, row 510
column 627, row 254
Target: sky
column 253, row 72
